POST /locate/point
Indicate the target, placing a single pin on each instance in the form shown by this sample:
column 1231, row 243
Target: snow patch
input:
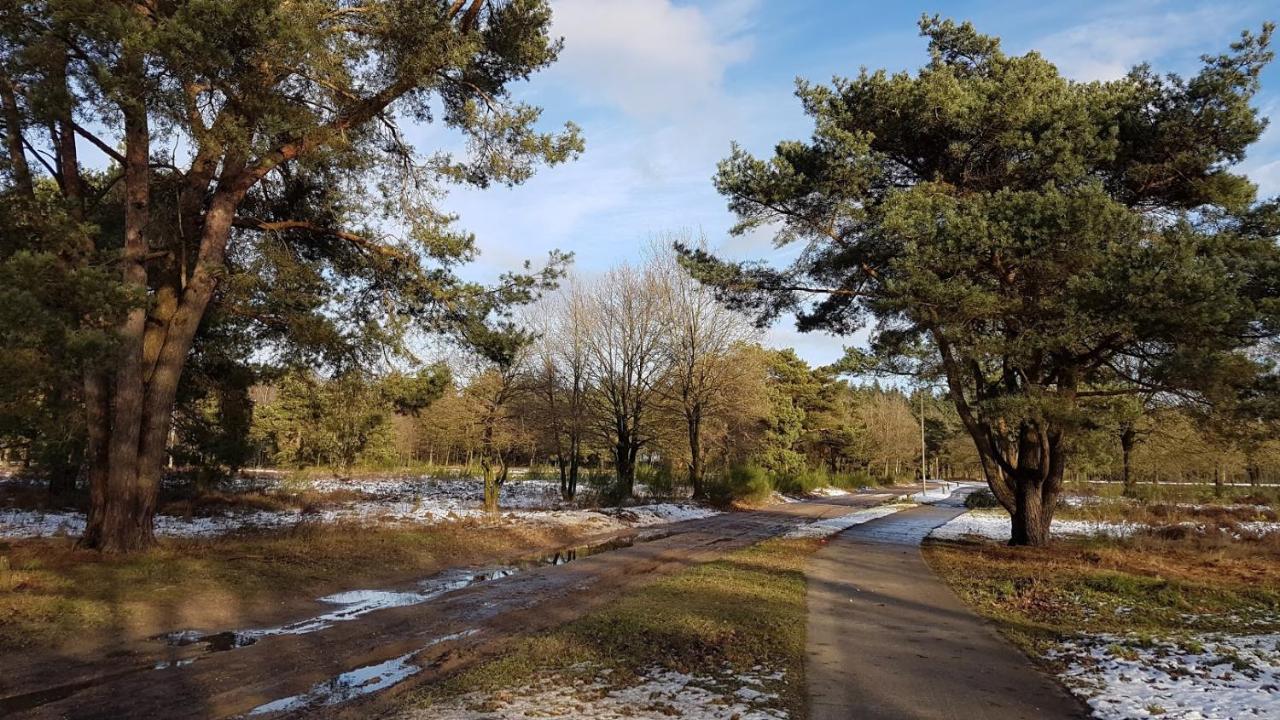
column 829, row 492
column 420, row 510
column 656, row 695
column 1215, row 676
column 930, row 495
column 994, row 525
column 831, row 526
column 660, row 513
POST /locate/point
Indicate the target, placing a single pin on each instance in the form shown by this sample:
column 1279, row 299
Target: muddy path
column 353, row 665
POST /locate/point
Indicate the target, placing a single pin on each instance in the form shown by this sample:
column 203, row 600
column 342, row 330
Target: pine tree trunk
column 1031, row 515
column 134, row 431
column 1127, row 440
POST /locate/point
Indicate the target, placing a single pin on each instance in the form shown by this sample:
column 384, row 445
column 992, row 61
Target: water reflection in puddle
column 355, row 683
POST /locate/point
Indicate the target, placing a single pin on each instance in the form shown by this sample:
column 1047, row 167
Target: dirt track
column 433, row 638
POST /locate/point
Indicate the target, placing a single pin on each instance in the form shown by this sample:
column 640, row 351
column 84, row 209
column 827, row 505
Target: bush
column 800, row 483
column 981, row 499
column 745, row 483
column 660, row 480
column 604, row 486
column 853, row 480
column 810, row 479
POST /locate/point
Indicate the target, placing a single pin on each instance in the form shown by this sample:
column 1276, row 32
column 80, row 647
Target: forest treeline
column 641, row 372
column 246, row 265
column 637, row 372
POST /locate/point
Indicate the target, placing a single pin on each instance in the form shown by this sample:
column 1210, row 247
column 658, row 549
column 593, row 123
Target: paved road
column 887, row 640
column 426, row 640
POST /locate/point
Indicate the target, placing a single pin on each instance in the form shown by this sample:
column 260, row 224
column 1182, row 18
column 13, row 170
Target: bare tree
column 699, row 343
column 558, row 379
column 626, row 361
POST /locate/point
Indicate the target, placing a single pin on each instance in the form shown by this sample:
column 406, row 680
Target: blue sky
column 661, row 89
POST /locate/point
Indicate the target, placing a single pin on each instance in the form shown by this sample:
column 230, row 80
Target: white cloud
column 815, row 347
column 646, row 80
column 649, row 57
column 1106, row 47
column 1267, row 177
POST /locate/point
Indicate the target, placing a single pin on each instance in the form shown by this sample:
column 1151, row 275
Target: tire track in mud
column 330, row 669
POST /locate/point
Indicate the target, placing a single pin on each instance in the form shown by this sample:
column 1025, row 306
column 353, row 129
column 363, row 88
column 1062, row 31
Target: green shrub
column 660, row 480
column 853, row 480
column 746, row 483
column 810, row 479
column 798, row 483
column 981, row 499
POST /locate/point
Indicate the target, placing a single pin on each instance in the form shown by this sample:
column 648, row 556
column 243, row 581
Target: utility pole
column 924, row 467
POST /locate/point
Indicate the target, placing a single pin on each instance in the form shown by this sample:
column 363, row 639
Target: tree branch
column 98, row 143
column 360, row 241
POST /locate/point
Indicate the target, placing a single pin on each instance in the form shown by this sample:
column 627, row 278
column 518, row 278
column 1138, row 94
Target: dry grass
column 1205, row 494
column 52, row 594
column 1229, row 517
column 740, row 612
column 215, row 502
column 188, row 501
column 1149, row 584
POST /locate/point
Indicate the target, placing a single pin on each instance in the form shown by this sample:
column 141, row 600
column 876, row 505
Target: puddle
column 355, row 683
column 350, row 605
column 353, row 604
column 346, row 686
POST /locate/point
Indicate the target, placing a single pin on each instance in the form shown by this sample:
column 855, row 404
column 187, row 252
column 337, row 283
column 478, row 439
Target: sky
column 661, row 89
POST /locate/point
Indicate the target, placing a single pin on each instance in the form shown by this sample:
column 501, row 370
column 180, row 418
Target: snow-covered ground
column 936, row 493
column 384, row 501
column 657, row 695
column 831, row 526
column 1219, row 677
column 829, row 492
column 994, row 525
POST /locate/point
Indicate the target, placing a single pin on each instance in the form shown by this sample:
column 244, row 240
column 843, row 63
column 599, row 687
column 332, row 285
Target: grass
column 1204, row 493
column 52, row 594
column 1148, row 585
column 1170, row 506
column 751, row 485
column 188, row 500
column 1155, row 510
column 743, row 611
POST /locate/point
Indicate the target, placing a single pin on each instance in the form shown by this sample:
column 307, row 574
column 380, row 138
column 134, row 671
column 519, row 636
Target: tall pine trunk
column 130, row 411
column 1128, row 438
column 1032, row 513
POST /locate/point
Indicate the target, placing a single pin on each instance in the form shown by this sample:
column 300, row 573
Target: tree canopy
column 259, row 186
column 1028, row 239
